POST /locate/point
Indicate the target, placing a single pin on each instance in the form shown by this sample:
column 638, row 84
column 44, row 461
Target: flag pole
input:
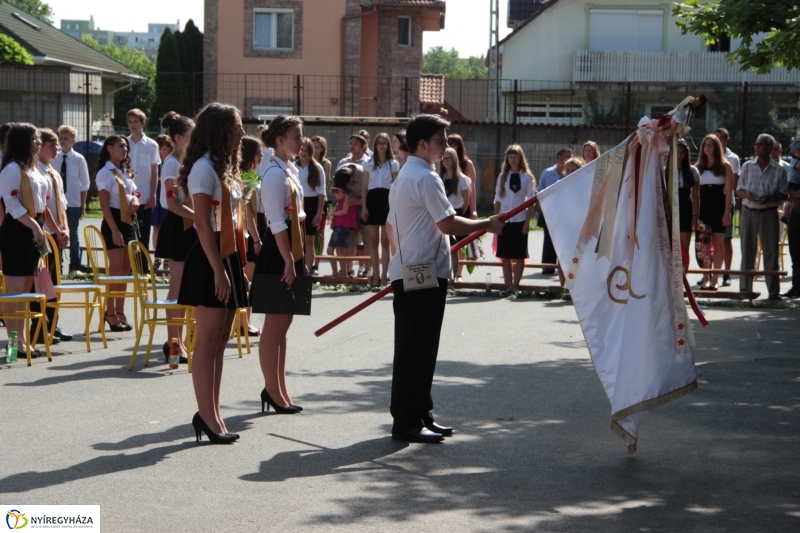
column 386, row 290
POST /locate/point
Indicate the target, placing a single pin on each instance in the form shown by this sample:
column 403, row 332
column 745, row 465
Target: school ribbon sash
column 227, row 237
column 26, row 192
column 298, row 246
column 62, row 216
column 124, row 207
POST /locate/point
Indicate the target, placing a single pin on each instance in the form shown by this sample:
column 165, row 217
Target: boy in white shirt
column 144, row 160
column 75, row 176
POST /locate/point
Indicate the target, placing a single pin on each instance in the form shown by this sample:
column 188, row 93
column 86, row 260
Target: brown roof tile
column 431, row 89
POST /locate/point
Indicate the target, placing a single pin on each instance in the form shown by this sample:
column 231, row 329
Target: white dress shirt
column 417, row 203
column 57, row 196
column 106, row 180
column 77, row 176
column 513, row 199
column 266, row 153
column 307, row 190
column 203, row 179
column 169, row 171
column 276, row 194
column 144, row 155
column 10, row 181
column 380, row 177
column 456, row 197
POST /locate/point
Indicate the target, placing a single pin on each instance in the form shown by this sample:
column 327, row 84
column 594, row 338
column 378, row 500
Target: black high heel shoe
column 200, row 425
column 114, row 327
column 265, row 399
column 299, row 408
column 124, row 322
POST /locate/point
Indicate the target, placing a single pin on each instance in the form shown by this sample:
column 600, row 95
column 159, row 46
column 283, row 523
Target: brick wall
column 352, row 59
column 210, row 47
column 396, row 61
column 247, row 30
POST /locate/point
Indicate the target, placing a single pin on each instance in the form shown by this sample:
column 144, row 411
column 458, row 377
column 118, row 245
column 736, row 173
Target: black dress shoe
column 791, row 293
column 40, row 339
column 726, row 280
column 774, row 297
column 66, row 337
column 441, row 430
column 422, row 435
column 548, row 271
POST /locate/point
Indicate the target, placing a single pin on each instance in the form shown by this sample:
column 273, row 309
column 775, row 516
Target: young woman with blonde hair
column 379, row 175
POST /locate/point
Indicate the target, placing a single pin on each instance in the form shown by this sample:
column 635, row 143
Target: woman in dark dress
column 688, row 195
column 281, row 251
column 213, row 281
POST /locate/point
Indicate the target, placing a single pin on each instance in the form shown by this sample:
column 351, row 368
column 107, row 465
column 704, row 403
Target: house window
column 549, row 113
column 404, row 31
column 273, row 29
column 628, row 30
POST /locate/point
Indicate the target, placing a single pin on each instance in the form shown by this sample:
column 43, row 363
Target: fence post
column 297, row 103
column 245, row 98
column 407, row 96
column 628, row 110
column 88, row 114
column 745, row 98
column 514, row 111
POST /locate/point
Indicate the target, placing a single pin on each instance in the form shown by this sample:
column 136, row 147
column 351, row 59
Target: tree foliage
column 171, row 92
column 13, row 53
column 777, row 20
column 437, row 60
column 37, row 8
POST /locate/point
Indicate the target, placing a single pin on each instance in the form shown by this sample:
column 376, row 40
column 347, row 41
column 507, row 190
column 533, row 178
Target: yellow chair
column 98, row 259
column 782, row 244
column 238, row 322
column 87, row 306
column 27, row 315
column 144, row 286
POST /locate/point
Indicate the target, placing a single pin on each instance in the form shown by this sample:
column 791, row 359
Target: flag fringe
column 644, row 406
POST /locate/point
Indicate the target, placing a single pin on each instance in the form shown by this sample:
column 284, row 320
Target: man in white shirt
column 359, row 239
column 420, row 219
column 733, row 159
column 75, row 177
column 144, row 161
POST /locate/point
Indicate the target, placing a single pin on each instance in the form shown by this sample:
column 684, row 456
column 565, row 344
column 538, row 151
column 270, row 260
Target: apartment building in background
column 147, row 41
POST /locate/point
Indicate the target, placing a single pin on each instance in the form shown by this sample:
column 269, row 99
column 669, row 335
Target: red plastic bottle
column 174, row 354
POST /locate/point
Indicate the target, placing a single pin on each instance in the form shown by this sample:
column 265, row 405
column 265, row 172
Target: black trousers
column 548, row 250
column 793, row 231
column 418, row 317
column 145, row 216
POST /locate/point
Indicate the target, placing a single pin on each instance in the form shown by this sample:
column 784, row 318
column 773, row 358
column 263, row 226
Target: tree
column 170, row 85
column 437, row 60
column 140, row 94
column 13, row 53
column 194, row 45
column 777, row 20
column 37, row 8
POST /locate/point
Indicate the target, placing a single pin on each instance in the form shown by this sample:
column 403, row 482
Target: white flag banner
column 610, row 226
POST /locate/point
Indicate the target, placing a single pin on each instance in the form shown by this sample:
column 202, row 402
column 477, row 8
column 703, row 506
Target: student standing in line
column 75, row 176
column 160, row 213
column 400, row 147
column 312, row 177
column 549, row 177
column 56, row 226
column 365, row 134
column 24, row 193
column 590, row 152
column 320, row 151
column 736, row 165
column 344, row 220
column 213, row 282
column 359, row 238
column 468, row 169
column 178, row 234
column 515, row 185
column 458, row 188
column 716, row 199
column 119, row 201
column 421, row 218
column 144, row 161
column 281, row 253
column 266, row 151
column 688, row 195
column 252, row 154
column 379, row 175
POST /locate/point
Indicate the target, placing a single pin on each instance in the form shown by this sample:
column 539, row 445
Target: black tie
column 64, row 172
column 514, row 183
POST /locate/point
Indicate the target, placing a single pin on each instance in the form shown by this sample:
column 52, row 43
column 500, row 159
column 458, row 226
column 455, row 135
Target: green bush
column 12, row 53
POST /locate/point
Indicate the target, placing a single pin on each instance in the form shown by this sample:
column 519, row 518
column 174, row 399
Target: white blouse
column 169, row 171
column 513, row 199
column 456, row 197
column 59, row 196
column 276, row 193
column 709, row 178
column 203, row 179
column 106, row 180
column 10, row 180
column 380, row 177
column 307, row 190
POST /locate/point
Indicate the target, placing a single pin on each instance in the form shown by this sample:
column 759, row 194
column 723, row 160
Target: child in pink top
column 345, row 219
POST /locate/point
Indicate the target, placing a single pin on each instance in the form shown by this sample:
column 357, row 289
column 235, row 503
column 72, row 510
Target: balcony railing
column 668, row 67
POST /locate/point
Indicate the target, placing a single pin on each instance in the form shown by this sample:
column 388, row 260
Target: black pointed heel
column 114, row 327
column 266, row 399
column 215, row 438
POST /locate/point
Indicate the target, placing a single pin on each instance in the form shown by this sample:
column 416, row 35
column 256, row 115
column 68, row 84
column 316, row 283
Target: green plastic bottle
column 13, row 344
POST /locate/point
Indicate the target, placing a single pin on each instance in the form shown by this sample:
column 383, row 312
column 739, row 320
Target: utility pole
column 493, row 106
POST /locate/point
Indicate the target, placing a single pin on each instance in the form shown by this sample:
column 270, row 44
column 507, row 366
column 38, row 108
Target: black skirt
column 261, row 225
column 685, row 206
column 270, row 260
column 310, row 206
column 378, row 206
column 174, row 242
column 512, row 243
column 20, row 254
column 127, row 230
column 197, row 284
column 712, row 206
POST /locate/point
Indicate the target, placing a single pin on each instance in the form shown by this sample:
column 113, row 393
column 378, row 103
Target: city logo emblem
column 16, row 516
column 420, row 278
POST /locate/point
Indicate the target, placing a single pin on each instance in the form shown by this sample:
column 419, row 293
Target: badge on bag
column 418, row 276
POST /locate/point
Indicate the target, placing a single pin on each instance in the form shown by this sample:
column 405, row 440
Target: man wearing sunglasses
column 420, row 220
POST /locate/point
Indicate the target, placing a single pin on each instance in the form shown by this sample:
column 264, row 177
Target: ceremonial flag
column 620, row 251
